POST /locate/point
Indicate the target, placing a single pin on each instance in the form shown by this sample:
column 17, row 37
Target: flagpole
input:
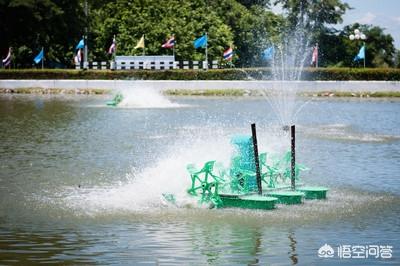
column 144, row 46
column 42, row 56
column 365, row 54
column 114, row 53
column 173, row 47
column 115, row 47
column 85, row 64
column 206, row 52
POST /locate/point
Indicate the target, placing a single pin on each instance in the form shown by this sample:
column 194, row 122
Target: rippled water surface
column 81, row 183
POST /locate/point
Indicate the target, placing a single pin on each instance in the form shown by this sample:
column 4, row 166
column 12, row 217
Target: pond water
column 81, row 183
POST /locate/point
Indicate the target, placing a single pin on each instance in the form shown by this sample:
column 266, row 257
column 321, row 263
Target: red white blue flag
column 228, row 54
column 169, row 43
column 78, row 56
column 113, row 47
column 7, row 61
column 314, row 58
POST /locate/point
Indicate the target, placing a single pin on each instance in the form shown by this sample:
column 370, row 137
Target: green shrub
column 390, row 74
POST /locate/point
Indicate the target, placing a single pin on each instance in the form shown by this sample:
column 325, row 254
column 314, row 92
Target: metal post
column 42, row 57
column 365, row 53
column 85, row 54
column 144, row 46
column 257, row 162
column 85, row 64
column 316, row 60
column 293, row 162
column 81, row 59
column 114, row 52
column 206, row 52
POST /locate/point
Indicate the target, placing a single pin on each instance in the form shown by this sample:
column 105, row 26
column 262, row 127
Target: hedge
column 389, row 74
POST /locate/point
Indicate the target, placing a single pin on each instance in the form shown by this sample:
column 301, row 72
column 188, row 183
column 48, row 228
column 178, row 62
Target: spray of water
column 143, row 188
column 139, row 97
column 287, row 65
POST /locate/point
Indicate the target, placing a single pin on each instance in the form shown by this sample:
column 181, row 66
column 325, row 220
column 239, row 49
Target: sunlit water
column 82, row 183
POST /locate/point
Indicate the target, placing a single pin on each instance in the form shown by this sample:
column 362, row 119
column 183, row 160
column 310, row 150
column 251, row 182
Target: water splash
column 143, row 188
column 343, row 132
column 139, row 97
column 287, row 65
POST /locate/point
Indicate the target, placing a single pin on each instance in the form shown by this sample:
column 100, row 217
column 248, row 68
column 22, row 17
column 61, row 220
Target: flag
column 80, row 45
column 200, row 42
column 113, row 47
column 140, row 44
column 228, row 53
column 268, row 53
column 170, row 43
column 314, row 57
column 7, row 61
column 361, row 54
column 78, row 56
column 39, row 57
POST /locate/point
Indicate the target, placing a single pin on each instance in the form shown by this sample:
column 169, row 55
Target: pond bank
column 162, row 85
column 209, row 92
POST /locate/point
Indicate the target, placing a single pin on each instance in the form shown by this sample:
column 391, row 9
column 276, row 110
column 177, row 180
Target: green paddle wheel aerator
column 116, row 100
column 237, row 185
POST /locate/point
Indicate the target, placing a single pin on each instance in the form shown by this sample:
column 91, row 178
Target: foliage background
column 249, row 26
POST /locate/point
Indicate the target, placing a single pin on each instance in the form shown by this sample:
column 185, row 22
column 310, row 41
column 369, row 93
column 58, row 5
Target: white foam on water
column 140, row 97
column 345, row 132
column 144, row 187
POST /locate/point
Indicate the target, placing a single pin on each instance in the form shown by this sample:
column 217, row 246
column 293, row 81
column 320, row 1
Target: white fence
column 147, row 62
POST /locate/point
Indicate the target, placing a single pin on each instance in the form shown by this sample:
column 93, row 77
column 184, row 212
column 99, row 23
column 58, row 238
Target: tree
column 313, row 14
column 29, row 25
column 379, row 46
column 308, row 19
column 250, row 3
column 331, row 48
column 186, row 19
column 338, row 50
column 253, row 28
column 397, row 59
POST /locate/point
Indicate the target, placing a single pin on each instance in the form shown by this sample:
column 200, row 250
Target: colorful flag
column 39, row 57
column 314, row 58
column 361, row 54
column 268, row 53
column 228, row 54
column 78, row 56
column 7, row 61
column 113, row 47
column 170, row 43
column 80, row 45
column 200, row 42
column 140, row 44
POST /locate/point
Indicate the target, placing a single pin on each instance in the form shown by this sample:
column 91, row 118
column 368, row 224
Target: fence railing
column 156, row 65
